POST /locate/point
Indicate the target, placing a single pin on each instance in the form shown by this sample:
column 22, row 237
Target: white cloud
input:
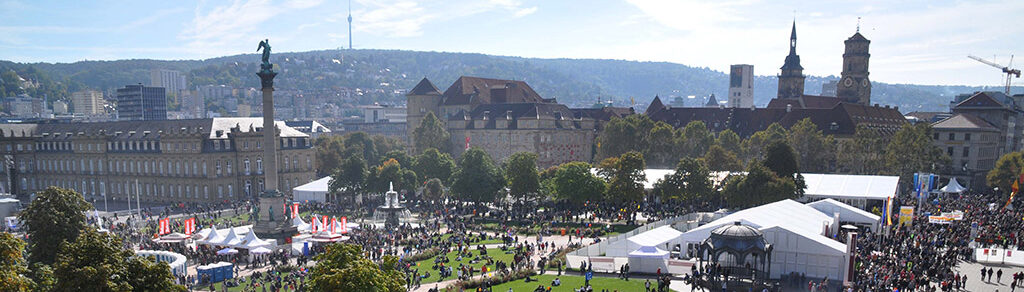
column 213, row 30
column 406, row 18
column 525, row 11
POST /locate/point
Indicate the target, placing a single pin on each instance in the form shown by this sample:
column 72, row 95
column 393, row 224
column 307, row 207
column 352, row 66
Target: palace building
column 199, row 160
column 507, row 116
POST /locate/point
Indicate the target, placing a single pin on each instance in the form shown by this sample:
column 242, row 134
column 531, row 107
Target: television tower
column 349, row 24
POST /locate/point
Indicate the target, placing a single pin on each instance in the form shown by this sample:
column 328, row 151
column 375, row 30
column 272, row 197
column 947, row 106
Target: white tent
column 846, row 212
column 662, row 237
column 302, row 226
column 315, row 191
column 210, row 235
column 796, row 233
column 250, row 241
column 787, row 213
column 648, row 259
column 231, row 239
column 953, row 187
column 801, row 252
column 854, row 190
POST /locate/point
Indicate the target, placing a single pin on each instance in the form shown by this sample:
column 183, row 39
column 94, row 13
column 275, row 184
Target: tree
column 573, row 182
column 433, row 190
column 329, row 150
column 1008, row 168
column 729, row 140
column 622, row 135
column 911, row 150
column 360, row 143
column 690, row 180
column 477, row 178
column 779, row 157
column 434, row 164
column 342, row 267
column 864, row 154
column 385, row 144
column 753, row 147
column 720, row 159
column 661, row 146
column 759, row 186
column 522, row 176
column 57, row 215
column 350, row 178
column 814, row 150
column 695, row 139
column 400, row 156
column 99, row 262
column 431, row 134
column 390, row 173
column 625, row 176
column 13, row 269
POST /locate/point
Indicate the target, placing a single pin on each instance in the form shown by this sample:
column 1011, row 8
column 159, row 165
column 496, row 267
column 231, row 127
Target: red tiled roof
column 475, row 90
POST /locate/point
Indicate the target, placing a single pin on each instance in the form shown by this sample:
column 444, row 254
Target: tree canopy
column 912, row 150
column 434, row 164
column 573, row 182
column 1008, row 168
column 477, row 178
column 13, row 268
column 522, row 176
column 431, row 133
column 690, row 180
column 625, row 176
column 55, row 216
column 342, row 267
column 99, row 262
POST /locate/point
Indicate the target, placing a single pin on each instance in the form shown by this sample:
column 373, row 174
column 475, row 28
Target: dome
column 737, row 239
column 737, row 230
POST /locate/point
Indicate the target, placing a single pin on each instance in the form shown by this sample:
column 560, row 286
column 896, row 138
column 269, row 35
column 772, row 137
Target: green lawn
column 570, row 283
column 240, row 287
column 427, row 264
column 476, row 239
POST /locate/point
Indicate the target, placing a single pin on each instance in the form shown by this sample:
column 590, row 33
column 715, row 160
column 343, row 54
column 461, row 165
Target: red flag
column 165, row 227
column 190, row 226
column 467, row 142
column 344, row 225
column 324, row 222
column 315, row 224
column 334, row 223
column 295, row 210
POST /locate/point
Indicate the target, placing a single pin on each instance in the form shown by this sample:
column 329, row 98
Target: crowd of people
column 922, row 255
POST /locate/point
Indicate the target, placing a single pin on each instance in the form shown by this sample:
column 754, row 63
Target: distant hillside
column 386, row 73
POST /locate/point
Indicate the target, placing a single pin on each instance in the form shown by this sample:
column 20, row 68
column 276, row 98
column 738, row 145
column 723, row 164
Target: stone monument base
column 272, row 223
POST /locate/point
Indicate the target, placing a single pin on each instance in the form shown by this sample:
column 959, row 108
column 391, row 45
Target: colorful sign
column 906, row 214
column 939, row 220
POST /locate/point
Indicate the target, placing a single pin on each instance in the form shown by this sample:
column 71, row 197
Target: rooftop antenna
column 858, row 23
column 349, row 24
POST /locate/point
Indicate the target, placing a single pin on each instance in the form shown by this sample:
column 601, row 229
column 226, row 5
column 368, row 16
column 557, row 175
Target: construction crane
column 1006, row 69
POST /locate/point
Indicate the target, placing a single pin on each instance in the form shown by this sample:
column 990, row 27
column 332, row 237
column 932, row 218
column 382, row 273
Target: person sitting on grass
column 556, row 282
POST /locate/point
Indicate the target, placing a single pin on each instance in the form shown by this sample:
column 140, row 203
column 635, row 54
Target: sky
column 912, row 41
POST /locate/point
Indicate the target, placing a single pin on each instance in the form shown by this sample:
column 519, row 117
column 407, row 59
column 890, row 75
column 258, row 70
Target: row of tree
column 869, row 151
column 65, row 254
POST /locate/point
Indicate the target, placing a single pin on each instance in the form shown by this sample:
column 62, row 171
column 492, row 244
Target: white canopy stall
column 648, row 259
column 847, row 213
column 854, row 190
column 315, row 191
column 953, row 187
column 662, row 237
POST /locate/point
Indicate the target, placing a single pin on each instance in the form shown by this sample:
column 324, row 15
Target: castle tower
column 423, row 98
column 854, row 86
column 791, row 79
column 741, row 86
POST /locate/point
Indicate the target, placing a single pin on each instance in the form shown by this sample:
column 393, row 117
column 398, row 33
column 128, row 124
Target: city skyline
column 912, row 42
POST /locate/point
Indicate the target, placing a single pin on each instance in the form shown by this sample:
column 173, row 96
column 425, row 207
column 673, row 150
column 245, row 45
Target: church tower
column 791, row 81
column 854, row 86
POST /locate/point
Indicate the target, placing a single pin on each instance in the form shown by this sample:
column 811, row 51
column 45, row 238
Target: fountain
column 392, row 213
